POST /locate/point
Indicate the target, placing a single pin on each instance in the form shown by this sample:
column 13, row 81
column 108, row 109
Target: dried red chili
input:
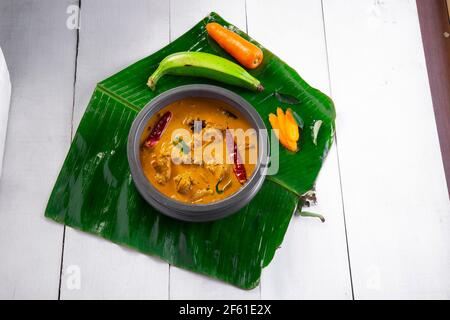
column 238, row 166
column 158, row 130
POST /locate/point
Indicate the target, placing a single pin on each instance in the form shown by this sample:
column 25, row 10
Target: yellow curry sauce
column 205, row 179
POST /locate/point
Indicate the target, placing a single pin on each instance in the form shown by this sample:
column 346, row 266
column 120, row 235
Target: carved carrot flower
column 288, row 132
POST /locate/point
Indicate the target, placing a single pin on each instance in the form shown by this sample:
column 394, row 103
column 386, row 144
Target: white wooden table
column 382, row 189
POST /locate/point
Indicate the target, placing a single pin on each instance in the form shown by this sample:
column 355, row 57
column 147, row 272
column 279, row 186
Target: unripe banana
column 200, row 64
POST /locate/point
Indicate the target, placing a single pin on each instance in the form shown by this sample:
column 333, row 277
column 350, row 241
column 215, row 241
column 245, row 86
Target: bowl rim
column 184, row 210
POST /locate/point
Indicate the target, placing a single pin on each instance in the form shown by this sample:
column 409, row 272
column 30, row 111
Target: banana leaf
column 95, row 193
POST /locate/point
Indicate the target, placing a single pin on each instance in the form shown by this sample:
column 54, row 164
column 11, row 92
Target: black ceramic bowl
column 197, row 212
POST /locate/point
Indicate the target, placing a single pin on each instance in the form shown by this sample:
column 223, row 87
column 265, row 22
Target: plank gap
column 246, row 17
column 62, row 263
column 337, row 154
column 448, row 10
column 71, row 135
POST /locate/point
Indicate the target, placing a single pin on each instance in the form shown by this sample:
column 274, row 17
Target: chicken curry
column 198, row 150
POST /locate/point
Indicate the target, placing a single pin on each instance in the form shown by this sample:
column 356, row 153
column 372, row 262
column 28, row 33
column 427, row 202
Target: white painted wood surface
column 394, row 197
column 5, row 101
column 310, row 247
column 110, row 38
column 40, row 53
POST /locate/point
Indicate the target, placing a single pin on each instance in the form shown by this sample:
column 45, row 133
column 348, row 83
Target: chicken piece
column 200, row 193
column 220, row 171
column 161, row 164
column 184, row 182
column 162, row 168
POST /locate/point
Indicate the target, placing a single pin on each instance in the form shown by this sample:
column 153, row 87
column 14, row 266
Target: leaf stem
column 311, row 214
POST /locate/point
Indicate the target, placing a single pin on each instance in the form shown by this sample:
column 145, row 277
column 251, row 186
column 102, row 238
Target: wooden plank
column 448, row 10
column 434, row 22
column 184, row 14
column 395, row 196
column 40, row 53
column 5, row 101
column 110, row 38
column 185, row 284
column 301, row 268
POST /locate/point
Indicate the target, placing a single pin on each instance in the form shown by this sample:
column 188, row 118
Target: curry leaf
column 286, row 98
column 298, row 119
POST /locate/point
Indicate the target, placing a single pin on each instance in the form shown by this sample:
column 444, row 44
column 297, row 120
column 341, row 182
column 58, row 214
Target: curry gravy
column 196, row 182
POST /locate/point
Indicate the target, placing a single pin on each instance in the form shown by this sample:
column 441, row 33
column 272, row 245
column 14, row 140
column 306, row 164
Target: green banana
column 200, row 64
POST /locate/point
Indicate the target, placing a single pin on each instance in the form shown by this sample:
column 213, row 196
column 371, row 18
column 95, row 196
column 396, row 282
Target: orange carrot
column 291, row 126
column 249, row 55
column 281, row 120
column 276, row 124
